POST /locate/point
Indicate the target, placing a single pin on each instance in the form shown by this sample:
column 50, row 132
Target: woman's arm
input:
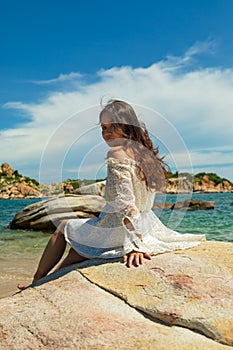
column 134, row 258
column 123, row 202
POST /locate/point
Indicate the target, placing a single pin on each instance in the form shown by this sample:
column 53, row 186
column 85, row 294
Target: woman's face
column 111, row 135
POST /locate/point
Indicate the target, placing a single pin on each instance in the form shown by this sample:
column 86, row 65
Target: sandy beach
column 18, row 269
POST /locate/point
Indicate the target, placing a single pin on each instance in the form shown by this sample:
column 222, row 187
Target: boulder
column 205, row 185
column 179, row 185
column 194, row 205
column 96, row 188
column 7, row 169
column 178, row 300
column 46, row 215
column 161, row 205
column 186, row 205
column 191, row 288
column 27, row 190
column 16, row 186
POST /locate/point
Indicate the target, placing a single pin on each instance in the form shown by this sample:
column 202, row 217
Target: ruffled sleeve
column 121, row 199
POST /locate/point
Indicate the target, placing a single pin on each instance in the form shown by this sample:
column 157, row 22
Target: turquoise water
column 217, row 224
column 17, row 242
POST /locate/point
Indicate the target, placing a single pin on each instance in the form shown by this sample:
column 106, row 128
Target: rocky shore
column 14, row 185
column 178, row 300
column 201, row 182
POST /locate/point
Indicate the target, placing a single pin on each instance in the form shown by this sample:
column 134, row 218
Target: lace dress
column 126, row 197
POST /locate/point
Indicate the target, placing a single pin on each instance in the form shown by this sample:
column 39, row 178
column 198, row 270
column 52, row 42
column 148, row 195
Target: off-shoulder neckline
column 120, row 161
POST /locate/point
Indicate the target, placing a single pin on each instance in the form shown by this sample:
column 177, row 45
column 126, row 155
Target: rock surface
column 208, row 186
column 193, row 205
column 46, row 215
column 104, row 305
column 203, row 184
column 186, row 205
column 191, row 288
column 96, row 188
column 13, row 185
column 179, row 185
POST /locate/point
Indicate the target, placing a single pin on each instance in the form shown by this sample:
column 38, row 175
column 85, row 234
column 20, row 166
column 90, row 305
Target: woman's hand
column 135, row 258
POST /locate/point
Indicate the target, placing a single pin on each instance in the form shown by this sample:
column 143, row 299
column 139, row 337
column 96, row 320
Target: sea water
column 20, row 249
column 217, row 224
column 17, row 241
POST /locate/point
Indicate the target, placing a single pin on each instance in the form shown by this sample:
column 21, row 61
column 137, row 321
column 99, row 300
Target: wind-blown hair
column 150, row 167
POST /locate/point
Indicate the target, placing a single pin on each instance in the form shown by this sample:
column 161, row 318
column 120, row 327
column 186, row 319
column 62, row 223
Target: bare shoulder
column 117, row 152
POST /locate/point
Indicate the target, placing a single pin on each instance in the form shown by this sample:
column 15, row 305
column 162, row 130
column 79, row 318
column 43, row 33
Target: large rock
column 96, row 188
column 6, row 169
column 46, row 215
column 186, row 205
column 16, row 186
column 179, row 185
column 62, row 315
column 205, row 185
column 119, row 308
column 193, row 205
column 191, row 288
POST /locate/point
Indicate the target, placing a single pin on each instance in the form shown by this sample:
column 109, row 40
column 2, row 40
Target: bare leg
column 52, row 254
column 72, row 258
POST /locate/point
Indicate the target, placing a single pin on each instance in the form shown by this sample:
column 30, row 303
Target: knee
column 61, row 226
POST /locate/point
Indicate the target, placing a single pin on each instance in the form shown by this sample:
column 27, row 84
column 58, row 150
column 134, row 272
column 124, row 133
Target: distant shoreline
column 14, row 185
column 160, row 193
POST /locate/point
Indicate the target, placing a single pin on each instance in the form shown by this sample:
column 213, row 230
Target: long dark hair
column 150, row 167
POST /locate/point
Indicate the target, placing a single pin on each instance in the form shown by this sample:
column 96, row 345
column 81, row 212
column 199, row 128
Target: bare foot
column 22, row 286
column 25, row 286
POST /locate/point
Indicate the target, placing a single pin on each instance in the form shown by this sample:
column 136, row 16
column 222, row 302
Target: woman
column 126, row 227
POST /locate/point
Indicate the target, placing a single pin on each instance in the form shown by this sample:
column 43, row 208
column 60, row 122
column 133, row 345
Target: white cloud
column 173, row 63
column 197, row 101
column 61, row 78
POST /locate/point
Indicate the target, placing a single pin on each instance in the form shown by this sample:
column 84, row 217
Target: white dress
column 126, row 197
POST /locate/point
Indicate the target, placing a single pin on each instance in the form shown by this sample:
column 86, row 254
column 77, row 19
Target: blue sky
column 59, row 58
